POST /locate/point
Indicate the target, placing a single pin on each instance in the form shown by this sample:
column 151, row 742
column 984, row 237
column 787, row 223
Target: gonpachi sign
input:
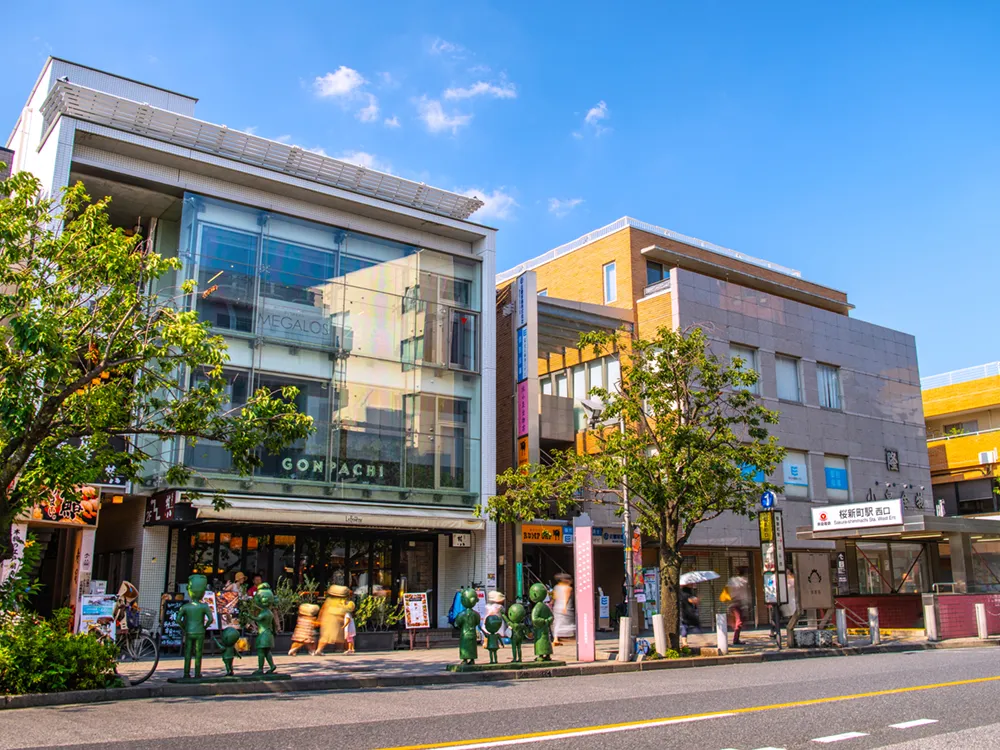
column 858, row 515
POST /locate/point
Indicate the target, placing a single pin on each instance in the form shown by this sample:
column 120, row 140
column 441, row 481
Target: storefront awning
column 286, row 511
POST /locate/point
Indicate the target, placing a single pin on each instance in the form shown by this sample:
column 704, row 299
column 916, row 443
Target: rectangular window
column 835, row 469
column 226, row 283
column 655, row 272
column 787, row 372
column 614, row 373
column 596, row 371
column 562, row 384
column 547, row 386
column 795, row 469
column 748, row 361
column 579, row 382
column 463, row 340
column 962, row 428
column 828, row 379
column 610, row 283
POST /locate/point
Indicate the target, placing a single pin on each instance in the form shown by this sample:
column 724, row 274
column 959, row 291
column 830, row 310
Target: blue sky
column 857, row 142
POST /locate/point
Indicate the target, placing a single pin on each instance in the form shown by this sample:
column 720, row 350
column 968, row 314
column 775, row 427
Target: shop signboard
column 568, row 535
column 772, row 553
column 415, row 611
column 583, row 559
column 638, row 581
column 815, row 585
column 209, row 599
column 165, row 508
column 858, row 515
column 522, row 408
column 522, row 353
column 522, row 301
column 227, row 603
column 843, row 583
column 97, row 612
column 795, row 473
column 541, row 534
column 522, row 451
column 55, row 510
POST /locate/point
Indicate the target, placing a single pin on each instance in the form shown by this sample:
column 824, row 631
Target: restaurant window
column 835, row 474
column 382, row 567
column 610, row 283
column 796, row 474
column 255, row 556
column 747, row 361
column 230, row 556
column 787, row 374
column 655, row 272
column 828, row 380
column 203, row 553
column 357, row 567
column 336, row 561
column 282, row 557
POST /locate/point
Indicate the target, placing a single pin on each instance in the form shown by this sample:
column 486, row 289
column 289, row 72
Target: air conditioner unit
column 988, row 457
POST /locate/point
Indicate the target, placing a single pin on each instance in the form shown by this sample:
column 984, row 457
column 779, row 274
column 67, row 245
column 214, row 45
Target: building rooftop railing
column 90, row 105
column 989, row 370
column 938, row 438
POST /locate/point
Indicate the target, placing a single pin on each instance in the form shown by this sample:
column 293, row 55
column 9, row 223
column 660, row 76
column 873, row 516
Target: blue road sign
column 767, row 500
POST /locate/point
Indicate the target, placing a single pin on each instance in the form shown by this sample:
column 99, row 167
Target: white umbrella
column 698, row 576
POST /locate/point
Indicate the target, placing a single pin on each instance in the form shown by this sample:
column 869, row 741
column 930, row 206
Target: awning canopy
column 561, row 322
column 318, row 513
column 916, row 527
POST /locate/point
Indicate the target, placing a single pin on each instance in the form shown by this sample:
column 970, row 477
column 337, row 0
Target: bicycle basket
column 146, row 619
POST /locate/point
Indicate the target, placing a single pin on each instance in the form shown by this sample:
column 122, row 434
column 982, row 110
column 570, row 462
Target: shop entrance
column 55, row 568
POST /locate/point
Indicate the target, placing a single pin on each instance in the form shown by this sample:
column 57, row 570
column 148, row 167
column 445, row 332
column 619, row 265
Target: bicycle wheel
column 137, row 659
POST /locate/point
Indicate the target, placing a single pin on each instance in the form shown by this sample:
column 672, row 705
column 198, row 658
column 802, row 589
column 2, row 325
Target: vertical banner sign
column 583, row 558
column 522, row 410
column 522, row 353
column 638, row 580
column 843, row 583
column 522, row 301
column 772, row 555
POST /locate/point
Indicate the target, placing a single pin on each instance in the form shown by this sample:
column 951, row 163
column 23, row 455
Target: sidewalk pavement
column 338, row 671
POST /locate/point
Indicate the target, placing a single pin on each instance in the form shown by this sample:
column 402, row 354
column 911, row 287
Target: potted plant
column 376, row 620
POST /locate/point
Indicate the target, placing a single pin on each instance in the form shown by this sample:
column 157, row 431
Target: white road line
column 570, row 733
column 914, row 723
column 840, row 737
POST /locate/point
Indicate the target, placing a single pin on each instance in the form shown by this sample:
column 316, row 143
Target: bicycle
column 138, row 649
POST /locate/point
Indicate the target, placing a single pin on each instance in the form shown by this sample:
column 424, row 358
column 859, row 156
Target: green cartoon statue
column 493, row 624
column 468, row 623
column 518, row 629
column 228, row 645
column 264, row 598
column 193, row 618
column 541, row 620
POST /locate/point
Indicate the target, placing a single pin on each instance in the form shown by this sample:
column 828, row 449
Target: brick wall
column 957, row 614
column 894, row 611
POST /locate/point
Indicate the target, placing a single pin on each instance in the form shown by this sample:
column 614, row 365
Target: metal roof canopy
column 561, row 322
column 916, row 527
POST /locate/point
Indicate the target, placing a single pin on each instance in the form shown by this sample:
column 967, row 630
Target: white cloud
column 443, row 47
column 318, row 150
column 369, row 113
column 344, row 82
column 479, row 69
column 502, row 91
column 392, row 122
column 365, row 159
column 437, row 119
column 387, row 79
column 496, row 205
column 284, row 138
column 596, row 115
column 562, row 206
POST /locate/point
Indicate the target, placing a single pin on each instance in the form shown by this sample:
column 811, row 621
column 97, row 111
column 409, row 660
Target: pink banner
column 522, row 408
column 583, row 553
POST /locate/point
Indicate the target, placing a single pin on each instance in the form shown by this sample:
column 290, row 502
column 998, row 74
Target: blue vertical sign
column 522, row 353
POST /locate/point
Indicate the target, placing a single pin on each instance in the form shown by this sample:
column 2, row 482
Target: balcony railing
column 936, row 438
column 659, row 286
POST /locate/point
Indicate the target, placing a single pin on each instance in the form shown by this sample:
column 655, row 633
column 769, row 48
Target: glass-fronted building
column 362, row 290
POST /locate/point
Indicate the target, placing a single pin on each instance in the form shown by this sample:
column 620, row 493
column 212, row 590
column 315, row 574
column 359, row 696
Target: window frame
column 754, row 364
column 847, row 471
column 821, row 390
column 797, row 364
column 610, row 289
column 664, row 273
column 804, row 491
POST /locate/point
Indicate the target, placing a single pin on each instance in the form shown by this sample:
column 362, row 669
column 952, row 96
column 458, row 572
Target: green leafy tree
column 683, row 434
column 94, row 362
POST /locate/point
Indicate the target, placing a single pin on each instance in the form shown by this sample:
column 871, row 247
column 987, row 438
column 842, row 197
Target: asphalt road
column 888, row 700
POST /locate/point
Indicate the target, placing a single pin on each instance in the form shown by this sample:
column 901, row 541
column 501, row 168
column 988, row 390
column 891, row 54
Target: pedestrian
column 495, row 606
column 562, row 606
column 349, row 628
column 258, row 579
column 690, row 618
column 737, row 594
column 305, row 629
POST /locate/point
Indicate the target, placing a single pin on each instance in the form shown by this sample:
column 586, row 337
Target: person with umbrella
column 690, row 617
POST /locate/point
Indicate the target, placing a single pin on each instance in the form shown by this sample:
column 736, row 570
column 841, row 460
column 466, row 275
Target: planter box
column 375, row 640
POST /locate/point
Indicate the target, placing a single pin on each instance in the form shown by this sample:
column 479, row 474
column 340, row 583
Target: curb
column 317, row 684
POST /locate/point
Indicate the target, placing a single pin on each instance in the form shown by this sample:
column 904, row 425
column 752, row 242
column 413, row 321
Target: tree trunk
column 6, row 527
column 670, row 572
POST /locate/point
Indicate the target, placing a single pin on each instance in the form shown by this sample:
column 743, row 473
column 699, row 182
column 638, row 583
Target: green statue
column 193, row 618
column 468, row 623
column 264, row 598
column 518, row 629
column 493, row 624
column 228, row 645
column 541, row 620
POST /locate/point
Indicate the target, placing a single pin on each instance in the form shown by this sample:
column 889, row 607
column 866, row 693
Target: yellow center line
column 562, row 733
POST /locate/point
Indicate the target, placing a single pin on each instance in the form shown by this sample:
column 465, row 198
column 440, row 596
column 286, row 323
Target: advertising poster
column 55, row 509
column 415, row 611
column 227, row 603
column 97, row 612
column 171, row 636
column 212, row 605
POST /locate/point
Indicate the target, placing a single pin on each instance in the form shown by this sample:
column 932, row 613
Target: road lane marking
column 574, row 733
column 914, row 723
column 840, row 737
column 563, row 733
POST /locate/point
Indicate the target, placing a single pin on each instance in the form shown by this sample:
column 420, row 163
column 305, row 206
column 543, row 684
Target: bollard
column 930, row 622
column 624, row 639
column 722, row 633
column 873, row 631
column 660, row 634
column 981, row 627
column 842, row 627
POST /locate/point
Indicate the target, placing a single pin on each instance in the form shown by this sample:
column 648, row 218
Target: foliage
column 95, row 350
column 377, row 613
column 21, row 586
column 683, row 434
column 286, row 601
column 670, row 653
column 43, row 656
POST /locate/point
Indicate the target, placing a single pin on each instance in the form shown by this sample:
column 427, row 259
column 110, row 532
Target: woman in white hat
column 494, row 606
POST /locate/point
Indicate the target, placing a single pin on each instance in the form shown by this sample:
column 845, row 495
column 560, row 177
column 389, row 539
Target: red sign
column 56, row 509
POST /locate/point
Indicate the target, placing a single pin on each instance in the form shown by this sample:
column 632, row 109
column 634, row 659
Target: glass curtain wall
column 381, row 339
